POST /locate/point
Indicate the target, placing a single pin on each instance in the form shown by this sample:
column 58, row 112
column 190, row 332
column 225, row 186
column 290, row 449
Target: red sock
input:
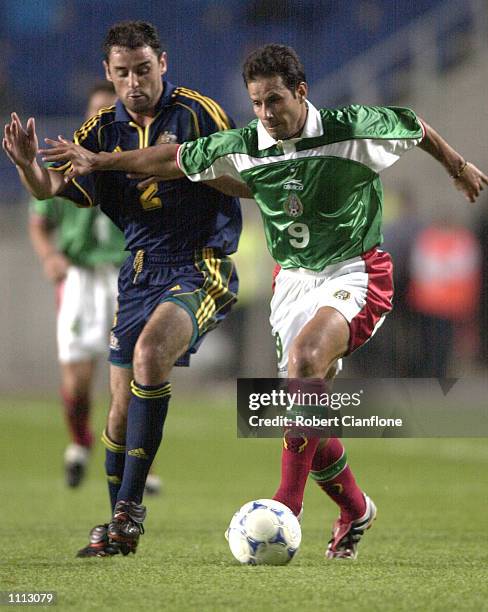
column 296, row 459
column 77, row 414
column 334, row 476
column 299, row 448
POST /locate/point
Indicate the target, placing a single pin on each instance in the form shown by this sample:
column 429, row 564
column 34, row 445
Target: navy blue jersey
column 170, row 217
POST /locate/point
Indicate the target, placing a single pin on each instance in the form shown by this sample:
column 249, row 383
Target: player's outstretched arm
column 21, row 146
column 224, row 184
column 159, row 160
column 156, row 163
column 467, row 177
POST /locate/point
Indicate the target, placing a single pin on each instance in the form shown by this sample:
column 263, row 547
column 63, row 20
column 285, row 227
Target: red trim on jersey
column 379, row 267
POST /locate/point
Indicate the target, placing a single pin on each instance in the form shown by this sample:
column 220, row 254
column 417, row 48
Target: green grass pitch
column 425, row 552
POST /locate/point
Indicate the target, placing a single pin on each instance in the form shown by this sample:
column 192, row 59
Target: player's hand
column 471, row 182
column 20, row 145
column 81, row 159
column 55, row 267
column 146, row 180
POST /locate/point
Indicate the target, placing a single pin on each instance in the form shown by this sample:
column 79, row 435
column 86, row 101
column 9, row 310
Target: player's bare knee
column 151, row 362
column 147, row 353
column 305, row 360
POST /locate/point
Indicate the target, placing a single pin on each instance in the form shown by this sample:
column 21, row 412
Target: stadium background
column 426, row 553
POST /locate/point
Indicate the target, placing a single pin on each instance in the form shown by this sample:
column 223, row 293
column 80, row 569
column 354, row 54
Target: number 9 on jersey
column 300, row 235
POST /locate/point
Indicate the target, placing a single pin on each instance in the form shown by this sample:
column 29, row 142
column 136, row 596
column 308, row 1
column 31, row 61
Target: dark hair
column 275, row 60
column 132, row 34
column 101, row 87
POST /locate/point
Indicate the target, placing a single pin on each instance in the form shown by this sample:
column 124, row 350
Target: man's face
column 100, row 99
column 136, row 76
column 281, row 112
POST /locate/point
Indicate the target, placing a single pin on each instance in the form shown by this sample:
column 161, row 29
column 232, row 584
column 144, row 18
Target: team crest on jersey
column 293, row 185
column 166, row 138
column 114, row 342
column 342, row 294
column 293, row 206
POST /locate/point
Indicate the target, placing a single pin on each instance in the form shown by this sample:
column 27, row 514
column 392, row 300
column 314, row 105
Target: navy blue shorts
column 205, row 287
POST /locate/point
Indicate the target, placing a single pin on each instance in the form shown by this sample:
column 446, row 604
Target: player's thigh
column 321, row 341
column 359, row 289
column 167, row 333
column 192, row 301
column 73, row 302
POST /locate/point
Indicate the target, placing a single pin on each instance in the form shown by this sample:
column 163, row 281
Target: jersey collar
column 121, row 113
column 313, row 127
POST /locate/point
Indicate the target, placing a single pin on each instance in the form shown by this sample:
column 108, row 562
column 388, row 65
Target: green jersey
column 320, row 195
column 85, row 235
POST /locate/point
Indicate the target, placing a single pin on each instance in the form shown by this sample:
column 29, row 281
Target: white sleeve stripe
column 376, row 154
column 178, row 157
column 223, row 166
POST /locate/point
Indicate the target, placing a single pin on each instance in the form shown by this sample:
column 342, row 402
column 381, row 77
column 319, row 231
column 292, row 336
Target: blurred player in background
column 315, row 177
column 178, row 281
column 81, row 252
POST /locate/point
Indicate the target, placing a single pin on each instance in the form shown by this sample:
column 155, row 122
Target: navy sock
column 114, row 466
column 145, row 419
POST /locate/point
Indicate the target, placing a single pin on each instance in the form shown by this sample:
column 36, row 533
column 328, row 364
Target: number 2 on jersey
column 148, row 199
column 300, row 235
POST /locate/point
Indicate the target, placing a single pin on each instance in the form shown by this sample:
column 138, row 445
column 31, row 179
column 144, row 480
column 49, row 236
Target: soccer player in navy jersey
column 178, row 281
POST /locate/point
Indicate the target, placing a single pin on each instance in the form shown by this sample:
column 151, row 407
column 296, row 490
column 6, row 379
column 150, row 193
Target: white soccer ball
column 264, row 532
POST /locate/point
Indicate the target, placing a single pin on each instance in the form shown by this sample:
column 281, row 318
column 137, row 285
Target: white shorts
column 361, row 289
column 87, row 300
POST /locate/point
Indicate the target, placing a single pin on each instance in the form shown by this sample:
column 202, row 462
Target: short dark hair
column 275, row 60
column 132, row 34
column 101, row 87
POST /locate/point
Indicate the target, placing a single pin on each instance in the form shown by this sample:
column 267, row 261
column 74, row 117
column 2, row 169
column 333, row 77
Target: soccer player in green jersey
column 315, row 177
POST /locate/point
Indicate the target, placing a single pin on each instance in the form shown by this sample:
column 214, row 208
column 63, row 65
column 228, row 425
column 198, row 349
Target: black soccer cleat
column 126, row 525
column 101, row 546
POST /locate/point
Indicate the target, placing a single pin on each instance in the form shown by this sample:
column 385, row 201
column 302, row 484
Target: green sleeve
column 51, row 209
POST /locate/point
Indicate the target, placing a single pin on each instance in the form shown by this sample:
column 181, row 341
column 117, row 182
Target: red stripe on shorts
column 379, row 267
column 59, row 289
column 276, row 271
